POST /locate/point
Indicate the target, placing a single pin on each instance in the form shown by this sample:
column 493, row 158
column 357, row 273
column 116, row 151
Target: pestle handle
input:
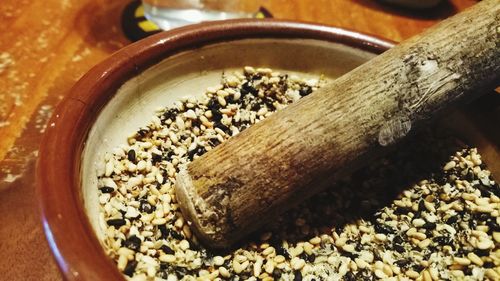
column 245, row 182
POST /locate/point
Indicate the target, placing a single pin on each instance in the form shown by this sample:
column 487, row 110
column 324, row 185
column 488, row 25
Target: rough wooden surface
column 45, row 46
column 245, row 182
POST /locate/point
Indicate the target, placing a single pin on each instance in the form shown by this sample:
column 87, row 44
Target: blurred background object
column 168, row 14
column 417, row 4
column 143, row 18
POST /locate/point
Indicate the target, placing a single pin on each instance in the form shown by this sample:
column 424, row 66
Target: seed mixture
column 429, row 211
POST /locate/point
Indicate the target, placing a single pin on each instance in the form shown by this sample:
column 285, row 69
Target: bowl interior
column 190, row 73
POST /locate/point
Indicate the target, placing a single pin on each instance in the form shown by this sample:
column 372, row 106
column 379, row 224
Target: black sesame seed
column 230, row 99
column 155, row 158
column 305, row 91
column 170, row 114
column 133, row 243
column 221, row 126
column 297, row 276
column 167, row 250
column 106, row 189
column 418, row 267
column 246, row 88
column 429, row 225
column 255, row 106
column 164, row 266
column 131, row 155
column 169, row 154
column 488, row 264
column 398, row 240
column 401, row 211
column 495, row 189
column 214, row 142
column 382, row 228
column 481, row 217
column 278, row 246
column 402, row 263
column 176, row 235
column 467, row 271
column 311, row 258
column 163, row 273
column 198, row 151
column 350, row 255
column 164, row 231
column 256, row 77
column 116, row 222
column 130, row 268
column 349, row 276
column 276, row 274
column 363, row 276
column 482, row 253
column 182, row 271
column 146, row 207
column 493, row 225
column 452, row 220
column 216, row 115
column 442, row 240
column 399, row 248
column 269, row 103
column 473, row 222
column 421, row 205
column 143, row 132
column 213, row 105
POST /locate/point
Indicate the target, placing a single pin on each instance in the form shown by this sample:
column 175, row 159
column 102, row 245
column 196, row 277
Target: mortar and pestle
column 247, row 181
column 250, row 182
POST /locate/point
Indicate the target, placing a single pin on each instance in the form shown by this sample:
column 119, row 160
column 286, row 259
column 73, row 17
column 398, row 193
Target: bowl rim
column 70, row 236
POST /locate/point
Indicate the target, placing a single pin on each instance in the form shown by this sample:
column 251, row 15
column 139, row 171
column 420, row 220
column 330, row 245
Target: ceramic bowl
column 120, row 94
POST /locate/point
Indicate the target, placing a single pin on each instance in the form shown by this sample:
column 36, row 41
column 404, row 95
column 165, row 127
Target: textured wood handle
column 246, row 181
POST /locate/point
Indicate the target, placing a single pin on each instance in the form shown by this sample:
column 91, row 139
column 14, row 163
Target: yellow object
column 148, row 26
column 139, row 12
column 260, row 15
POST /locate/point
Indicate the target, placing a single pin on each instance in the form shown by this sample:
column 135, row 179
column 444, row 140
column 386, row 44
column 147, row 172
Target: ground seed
column 354, row 230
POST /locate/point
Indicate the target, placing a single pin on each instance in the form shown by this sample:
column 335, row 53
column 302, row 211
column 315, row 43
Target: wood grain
column 247, row 181
column 45, row 46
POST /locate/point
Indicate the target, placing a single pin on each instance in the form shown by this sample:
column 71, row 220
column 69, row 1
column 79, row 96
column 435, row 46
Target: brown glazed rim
column 69, row 233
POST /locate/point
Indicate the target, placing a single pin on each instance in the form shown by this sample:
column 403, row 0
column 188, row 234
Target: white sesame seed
column 218, row 260
column 160, row 221
column 348, row 248
column 167, row 258
column 449, row 165
column 224, row 272
column 190, row 114
column 475, row 259
column 485, row 244
column 221, row 101
column 238, row 267
column 257, row 267
column 297, row 263
column 184, row 245
column 269, row 266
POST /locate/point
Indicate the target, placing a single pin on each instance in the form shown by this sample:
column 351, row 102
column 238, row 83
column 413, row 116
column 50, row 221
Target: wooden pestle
column 245, row 182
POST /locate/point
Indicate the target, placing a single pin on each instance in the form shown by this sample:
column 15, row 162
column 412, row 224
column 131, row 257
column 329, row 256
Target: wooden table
column 45, row 46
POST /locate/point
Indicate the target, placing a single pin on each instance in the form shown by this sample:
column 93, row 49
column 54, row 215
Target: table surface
column 45, row 46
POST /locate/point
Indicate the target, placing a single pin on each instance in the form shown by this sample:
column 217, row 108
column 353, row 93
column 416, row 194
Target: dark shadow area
column 443, row 10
